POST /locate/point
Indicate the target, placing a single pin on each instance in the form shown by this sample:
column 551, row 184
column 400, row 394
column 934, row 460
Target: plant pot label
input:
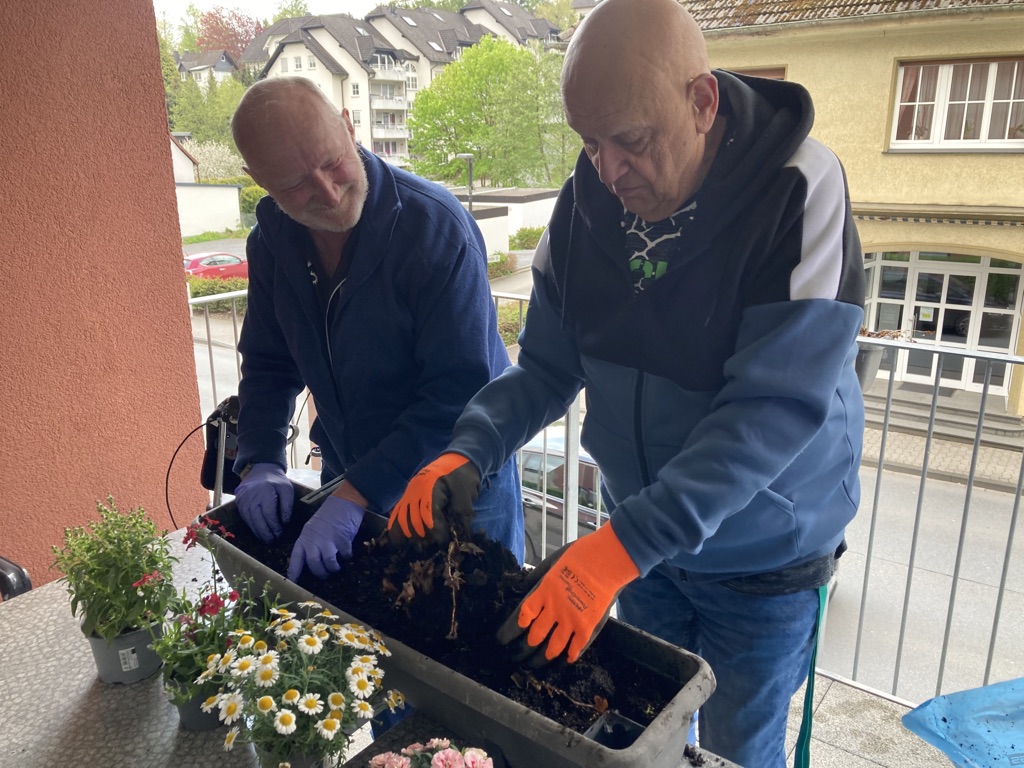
column 129, row 659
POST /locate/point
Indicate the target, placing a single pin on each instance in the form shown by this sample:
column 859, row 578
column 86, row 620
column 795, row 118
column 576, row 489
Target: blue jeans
column 759, row 648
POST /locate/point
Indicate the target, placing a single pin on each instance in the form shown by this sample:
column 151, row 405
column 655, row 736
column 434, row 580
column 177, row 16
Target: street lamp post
column 468, row 157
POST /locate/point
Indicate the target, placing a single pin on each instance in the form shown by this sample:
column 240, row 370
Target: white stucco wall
column 494, row 229
column 532, row 214
column 207, row 208
column 184, row 169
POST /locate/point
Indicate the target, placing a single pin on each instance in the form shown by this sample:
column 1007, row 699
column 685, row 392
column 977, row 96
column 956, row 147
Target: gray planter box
column 526, row 739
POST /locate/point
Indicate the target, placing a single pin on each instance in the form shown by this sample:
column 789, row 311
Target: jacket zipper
column 347, row 458
column 638, row 430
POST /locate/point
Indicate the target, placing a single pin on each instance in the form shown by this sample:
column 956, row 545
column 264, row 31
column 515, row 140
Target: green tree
column 558, row 12
column 169, row 70
column 205, row 110
column 189, row 29
column 291, row 9
column 501, row 103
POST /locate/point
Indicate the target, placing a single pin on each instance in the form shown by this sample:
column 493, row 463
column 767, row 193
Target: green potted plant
column 195, row 631
column 118, row 573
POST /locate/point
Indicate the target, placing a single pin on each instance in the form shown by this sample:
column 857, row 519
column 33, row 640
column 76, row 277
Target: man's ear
column 252, row 175
column 704, row 90
column 348, row 123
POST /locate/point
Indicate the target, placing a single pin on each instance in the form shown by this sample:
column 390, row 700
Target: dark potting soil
column 447, row 602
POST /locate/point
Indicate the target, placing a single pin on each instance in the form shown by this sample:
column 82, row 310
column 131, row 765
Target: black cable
column 167, row 479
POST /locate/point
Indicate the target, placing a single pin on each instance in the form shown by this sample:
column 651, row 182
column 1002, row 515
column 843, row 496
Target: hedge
column 525, row 239
column 211, row 286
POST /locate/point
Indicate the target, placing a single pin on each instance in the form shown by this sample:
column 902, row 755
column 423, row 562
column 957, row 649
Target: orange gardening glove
column 577, row 587
column 448, row 485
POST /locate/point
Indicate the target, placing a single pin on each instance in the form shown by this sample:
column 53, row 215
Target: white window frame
column 940, row 108
column 297, row 61
column 357, row 117
column 355, row 90
column 312, row 61
column 284, row 64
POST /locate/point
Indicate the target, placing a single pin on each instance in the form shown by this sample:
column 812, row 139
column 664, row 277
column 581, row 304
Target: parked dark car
column 216, row 264
column 534, row 465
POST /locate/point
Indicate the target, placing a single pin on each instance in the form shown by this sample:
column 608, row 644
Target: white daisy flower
column 259, row 646
column 230, row 707
column 336, row 700
column 284, row 722
column 283, row 612
column 268, row 659
column 211, row 702
column 225, row 662
column 366, row 661
column 362, row 709
column 328, row 728
column 328, row 615
column 243, row 666
column 246, row 641
column 287, row 628
column 310, row 604
column 229, row 738
column 362, row 687
column 310, row 645
column 266, row 704
column 266, row 676
column 310, row 704
column 291, row 697
column 205, row 675
column 376, row 675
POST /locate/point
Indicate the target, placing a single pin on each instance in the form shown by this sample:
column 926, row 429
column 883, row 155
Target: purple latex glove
column 327, row 536
column 264, row 499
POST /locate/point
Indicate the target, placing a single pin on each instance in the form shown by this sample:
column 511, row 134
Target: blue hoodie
column 722, row 404
column 406, row 341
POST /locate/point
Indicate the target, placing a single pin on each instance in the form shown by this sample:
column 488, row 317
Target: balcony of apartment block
column 389, row 102
column 389, row 131
column 388, row 75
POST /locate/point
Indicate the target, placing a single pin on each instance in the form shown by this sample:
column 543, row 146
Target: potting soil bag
column 979, row 728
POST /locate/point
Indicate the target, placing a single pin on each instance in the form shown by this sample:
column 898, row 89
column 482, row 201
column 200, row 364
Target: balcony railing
column 388, row 75
column 379, row 131
column 929, row 594
column 394, row 103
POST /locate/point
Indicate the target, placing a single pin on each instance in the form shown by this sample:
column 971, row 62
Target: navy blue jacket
column 722, row 404
column 407, row 340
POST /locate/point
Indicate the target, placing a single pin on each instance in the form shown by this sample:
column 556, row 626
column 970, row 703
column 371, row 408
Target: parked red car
column 216, row 264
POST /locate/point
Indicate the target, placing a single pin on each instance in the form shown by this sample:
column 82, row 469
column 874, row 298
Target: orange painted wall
column 98, row 375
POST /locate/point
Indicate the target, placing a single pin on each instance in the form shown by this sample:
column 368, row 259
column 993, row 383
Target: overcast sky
column 263, row 10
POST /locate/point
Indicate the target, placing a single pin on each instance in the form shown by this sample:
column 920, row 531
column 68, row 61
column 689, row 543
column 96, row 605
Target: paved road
column 229, row 245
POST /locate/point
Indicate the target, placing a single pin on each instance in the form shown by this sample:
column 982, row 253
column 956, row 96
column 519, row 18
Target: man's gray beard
column 330, row 223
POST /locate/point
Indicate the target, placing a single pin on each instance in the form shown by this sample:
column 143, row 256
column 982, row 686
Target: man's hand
column 264, row 499
column 576, row 588
column 448, row 486
column 327, row 536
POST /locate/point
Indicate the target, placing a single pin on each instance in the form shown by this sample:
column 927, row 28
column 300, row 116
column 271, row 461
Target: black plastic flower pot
column 525, row 738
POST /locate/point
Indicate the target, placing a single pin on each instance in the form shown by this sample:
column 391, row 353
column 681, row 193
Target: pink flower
column 233, row 595
column 447, row 758
column 477, row 758
column 191, row 536
column 438, row 744
column 413, row 749
column 389, row 760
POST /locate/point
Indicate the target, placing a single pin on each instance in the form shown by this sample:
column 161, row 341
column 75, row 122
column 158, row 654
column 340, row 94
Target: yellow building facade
column 925, row 109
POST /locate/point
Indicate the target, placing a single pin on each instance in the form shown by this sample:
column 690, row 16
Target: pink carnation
column 413, row 749
column 477, row 758
column 448, row 758
column 438, row 744
column 389, row 760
